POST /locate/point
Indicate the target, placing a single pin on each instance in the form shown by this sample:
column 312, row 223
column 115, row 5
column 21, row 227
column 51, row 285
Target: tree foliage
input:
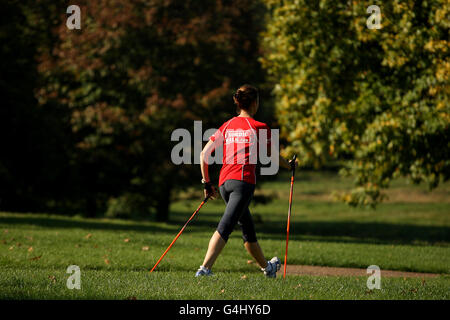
column 33, row 140
column 134, row 72
column 378, row 99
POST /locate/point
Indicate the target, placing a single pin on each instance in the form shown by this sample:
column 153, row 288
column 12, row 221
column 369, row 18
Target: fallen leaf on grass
column 249, row 261
column 244, row 277
column 107, row 261
column 146, row 248
column 11, row 248
column 30, row 249
column 52, row 279
column 88, row 236
column 222, row 291
column 126, row 240
column 298, row 286
column 36, row 258
column 5, row 231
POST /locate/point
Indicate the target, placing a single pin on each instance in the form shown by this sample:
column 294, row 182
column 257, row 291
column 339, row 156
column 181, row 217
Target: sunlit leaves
column 378, row 99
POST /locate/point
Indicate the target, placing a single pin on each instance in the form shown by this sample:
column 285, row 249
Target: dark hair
column 245, row 96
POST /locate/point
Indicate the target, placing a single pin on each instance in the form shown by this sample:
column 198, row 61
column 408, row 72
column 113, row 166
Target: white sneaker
column 272, row 267
column 202, row 271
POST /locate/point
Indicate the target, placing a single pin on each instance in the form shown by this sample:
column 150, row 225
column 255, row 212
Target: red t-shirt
column 239, row 137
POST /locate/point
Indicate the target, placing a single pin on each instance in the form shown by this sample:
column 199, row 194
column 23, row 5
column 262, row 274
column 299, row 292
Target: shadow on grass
column 68, row 223
column 350, row 232
column 360, row 232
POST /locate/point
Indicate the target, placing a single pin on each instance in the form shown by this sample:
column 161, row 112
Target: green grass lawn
column 410, row 233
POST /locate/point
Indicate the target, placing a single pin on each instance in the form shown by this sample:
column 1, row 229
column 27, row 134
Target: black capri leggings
column 237, row 196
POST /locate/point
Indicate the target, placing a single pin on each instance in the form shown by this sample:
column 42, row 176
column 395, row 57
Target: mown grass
column 128, row 284
column 115, row 255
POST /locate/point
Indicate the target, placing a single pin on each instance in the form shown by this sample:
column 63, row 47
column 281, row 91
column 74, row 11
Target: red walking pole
column 289, row 213
column 181, row 231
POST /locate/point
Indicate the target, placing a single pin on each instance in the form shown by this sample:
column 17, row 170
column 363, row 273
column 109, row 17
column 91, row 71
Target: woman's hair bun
column 245, row 96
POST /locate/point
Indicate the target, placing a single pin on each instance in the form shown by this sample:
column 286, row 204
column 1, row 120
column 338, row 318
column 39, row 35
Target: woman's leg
column 250, row 241
column 216, row 245
column 236, row 195
column 255, row 251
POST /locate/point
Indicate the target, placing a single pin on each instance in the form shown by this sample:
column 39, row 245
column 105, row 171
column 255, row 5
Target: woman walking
column 239, row 137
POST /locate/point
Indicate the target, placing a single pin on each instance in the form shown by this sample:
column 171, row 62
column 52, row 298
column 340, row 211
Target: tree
column 376, row 98
column 33, row 140
column 136, row 71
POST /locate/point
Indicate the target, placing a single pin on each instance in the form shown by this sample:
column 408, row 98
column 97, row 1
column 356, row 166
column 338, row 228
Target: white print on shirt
column 239, row 136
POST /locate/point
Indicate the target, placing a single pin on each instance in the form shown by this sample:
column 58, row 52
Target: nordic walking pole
column 289, row 213
column 181, row 231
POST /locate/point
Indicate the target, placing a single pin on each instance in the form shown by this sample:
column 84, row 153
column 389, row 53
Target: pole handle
column 293, row 163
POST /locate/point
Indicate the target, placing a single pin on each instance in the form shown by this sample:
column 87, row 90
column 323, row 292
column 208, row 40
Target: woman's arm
column 285, row 163
column 282, row 161
column 204, row 155
column 206, row 152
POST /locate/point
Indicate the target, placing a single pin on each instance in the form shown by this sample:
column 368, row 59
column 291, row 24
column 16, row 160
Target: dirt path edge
column 356, row 272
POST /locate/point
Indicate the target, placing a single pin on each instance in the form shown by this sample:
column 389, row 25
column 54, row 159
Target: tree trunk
column 91, row 207
column 162, row 209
